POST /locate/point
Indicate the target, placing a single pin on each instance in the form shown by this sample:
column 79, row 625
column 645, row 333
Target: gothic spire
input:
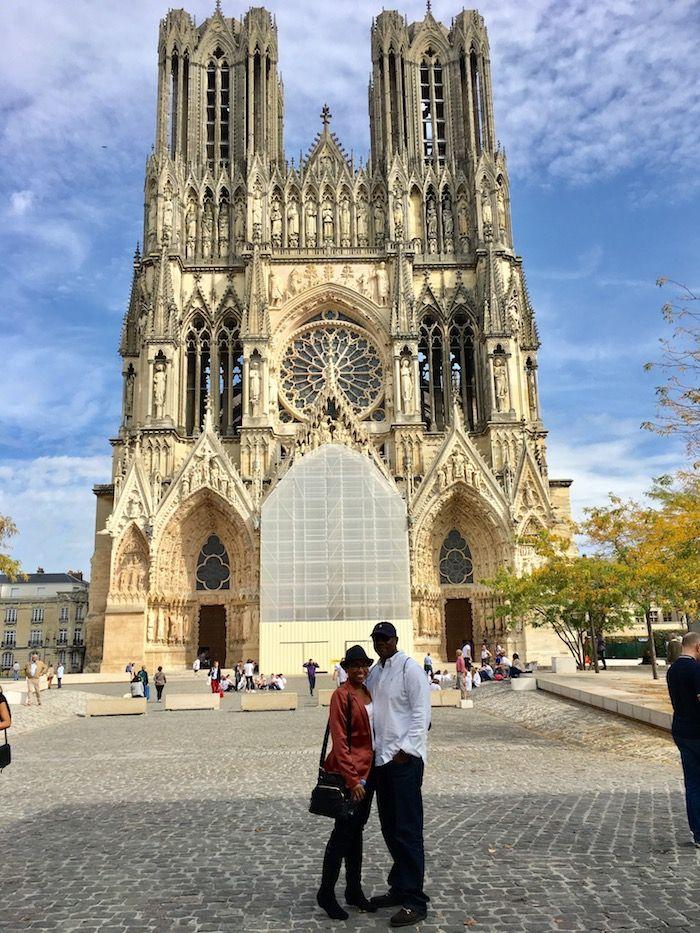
column 403, row 320
column 257, row 314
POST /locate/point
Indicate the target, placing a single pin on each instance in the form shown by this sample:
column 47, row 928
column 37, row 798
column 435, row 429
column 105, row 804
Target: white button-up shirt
column 401, row 706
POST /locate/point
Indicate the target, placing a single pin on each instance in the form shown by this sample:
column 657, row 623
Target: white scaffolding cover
column 334, row 543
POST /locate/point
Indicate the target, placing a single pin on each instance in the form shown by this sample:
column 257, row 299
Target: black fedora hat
column 355, row 655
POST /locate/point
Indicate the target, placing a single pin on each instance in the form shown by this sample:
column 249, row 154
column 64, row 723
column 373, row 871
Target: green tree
column 8, row 566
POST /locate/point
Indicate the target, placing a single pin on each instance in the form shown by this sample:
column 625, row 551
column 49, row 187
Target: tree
column 576, row 596
column 658, row 545
column 8, row 566
column 679, row 398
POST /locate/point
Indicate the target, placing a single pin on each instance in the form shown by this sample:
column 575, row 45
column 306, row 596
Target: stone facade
column 46, row 613
column 277, row 307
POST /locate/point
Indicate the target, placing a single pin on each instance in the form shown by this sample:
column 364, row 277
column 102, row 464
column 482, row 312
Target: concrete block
column 611, row 705
column 563, row 664
column 660, row 719
column 192, row 701
column 268, row 700
column 324, row 697
column 466, row 704
column 523, row 684
column 15, row 697
column 116, row 707
column 445, row 698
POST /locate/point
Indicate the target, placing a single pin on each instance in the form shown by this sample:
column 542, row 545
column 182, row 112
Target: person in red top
column 354, row 763
column 461, row 669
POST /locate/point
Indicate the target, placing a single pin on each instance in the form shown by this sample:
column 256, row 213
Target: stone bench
column 192, row 701
column 524, row 682
column 445, row 698
column 116, row 707
column 258, row 700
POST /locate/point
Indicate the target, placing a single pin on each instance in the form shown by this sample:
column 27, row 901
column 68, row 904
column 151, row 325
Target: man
column 34, row 670
column 60, row 671
column 683, row 680
column 311, row 667
column 401, row 710
column 248, row 672
column 15, row 670
column 485, row 652
column 143, row 677
column 601, row 648
column 467, row 651
column 339, row 674
column 461, row 669
column 428, row 665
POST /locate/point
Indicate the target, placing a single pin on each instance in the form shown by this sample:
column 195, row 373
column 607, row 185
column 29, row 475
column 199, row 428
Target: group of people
column 496, row 666
column 244, row 676
column 33, row 671
column 140, row 685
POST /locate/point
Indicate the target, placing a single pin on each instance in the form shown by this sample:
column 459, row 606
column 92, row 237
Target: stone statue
column 463, row 224
column 406, row 386
column 382, row 278
column 223, row 229
column 448, row 227
column 532, row 391
column 276, row 223
column 398, row 215
column 159, row 387
column 328, row 225
column 345, row 222
column 294, row 282
column 502, row 225
column 274, row 289
column 432, row 225
column 167, row 219
column 191, row 222
column 239, row 225
column 257, row 212
column 486, row 213
column 310, row 222
column 362, row 239
column 129, row 396
column 500, row 382
column 207, row 229
column 152, row 218
column 378, row 217
column 254, row 388
column 293, row 224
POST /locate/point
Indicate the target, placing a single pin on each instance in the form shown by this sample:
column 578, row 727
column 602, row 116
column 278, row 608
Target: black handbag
column 5, row 753
column 330, row 797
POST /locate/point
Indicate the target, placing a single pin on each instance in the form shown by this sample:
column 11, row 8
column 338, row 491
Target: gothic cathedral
column 330, row 409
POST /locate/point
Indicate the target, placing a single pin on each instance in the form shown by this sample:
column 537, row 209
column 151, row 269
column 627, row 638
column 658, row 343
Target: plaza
column 540, row 815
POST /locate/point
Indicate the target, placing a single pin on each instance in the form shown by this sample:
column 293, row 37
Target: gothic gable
column 530, row 497
column 134, row 503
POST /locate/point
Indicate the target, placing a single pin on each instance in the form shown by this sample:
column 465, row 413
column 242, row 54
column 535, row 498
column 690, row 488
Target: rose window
column 354, row 359
column 213, row 569
column 456, row 566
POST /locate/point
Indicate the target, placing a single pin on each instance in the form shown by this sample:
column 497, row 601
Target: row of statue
column 373, row 284
column 211, row 230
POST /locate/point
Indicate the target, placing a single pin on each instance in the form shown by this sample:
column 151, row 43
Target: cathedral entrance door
column 458, row 625
column 212, row 633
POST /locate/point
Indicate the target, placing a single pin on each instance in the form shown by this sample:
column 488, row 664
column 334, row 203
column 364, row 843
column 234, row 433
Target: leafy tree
column 658, row 545
column 679, row 397
column 8, row 566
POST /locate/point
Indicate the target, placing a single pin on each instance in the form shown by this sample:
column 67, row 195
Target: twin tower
column 284, row 317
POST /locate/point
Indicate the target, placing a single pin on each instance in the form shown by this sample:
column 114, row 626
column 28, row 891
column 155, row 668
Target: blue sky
column 597, row 104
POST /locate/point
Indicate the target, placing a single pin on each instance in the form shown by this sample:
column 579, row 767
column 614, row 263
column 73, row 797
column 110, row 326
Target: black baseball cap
column 384, row 630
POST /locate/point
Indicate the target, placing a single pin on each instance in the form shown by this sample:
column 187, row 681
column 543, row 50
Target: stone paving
column 198, row 822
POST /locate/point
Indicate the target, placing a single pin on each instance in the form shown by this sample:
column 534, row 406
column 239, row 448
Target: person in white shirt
column 428, row 665
column 196, row 664
column 60, row 671
column 339, row 674
column 476, row 678
column 248, row 672
column 467, row 651
column 401, row 702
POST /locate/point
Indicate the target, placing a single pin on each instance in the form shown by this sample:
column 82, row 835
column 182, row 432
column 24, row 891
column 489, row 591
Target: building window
column 7, row 660
column 14, row 591
column 198, row 345
column 462, row 367
column 213, row 569
column 230, row 376
column 35, row 638
column 62, row 637
column 37, row 615
column 431, row 369
column 63, row 614
column 10, row 614
column 8, row 640
column 456, row 566
column 79, row 612
column 78, row 636
column 218, row 109
column 61, row 657
column 75, row 659
column 432, row 95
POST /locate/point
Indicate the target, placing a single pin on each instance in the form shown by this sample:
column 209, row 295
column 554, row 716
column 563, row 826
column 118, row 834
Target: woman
column 160, row 681
column 5, row 714
column 214, row 676
column 50, row 674
column 354, row 764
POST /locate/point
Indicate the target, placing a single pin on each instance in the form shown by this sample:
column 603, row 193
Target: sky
column 597, row 105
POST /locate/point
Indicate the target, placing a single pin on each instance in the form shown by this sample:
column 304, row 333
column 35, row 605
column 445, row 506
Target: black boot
column 326, row 901
column 358, row 899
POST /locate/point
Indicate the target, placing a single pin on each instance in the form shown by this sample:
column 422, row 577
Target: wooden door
column 458, row 625
column 212, row 633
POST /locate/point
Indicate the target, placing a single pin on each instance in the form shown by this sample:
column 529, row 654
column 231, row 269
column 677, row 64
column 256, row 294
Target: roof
column 43, row 578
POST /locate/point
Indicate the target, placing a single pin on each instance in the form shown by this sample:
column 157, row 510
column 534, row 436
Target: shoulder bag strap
column 348, row 724
column 324, row 747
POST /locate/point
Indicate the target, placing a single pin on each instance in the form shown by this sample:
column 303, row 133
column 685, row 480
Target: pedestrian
column 143, row 677
column 60, row 671
column 683, row 680
column 215, row 677
column 5, row 723
column 401, row 712
column 467, row 650
column 350, row 724
column 249, row 671
column 50, row 674
column 34, row 670
column 129, row 670
column 160, row 680
column 428, row 666
column 601, row 648
column 15, row 670
column 485, row 652
column 339, row 675
column 311, row 668
column 196, row 664
column 238, row 674
column 461, row 669
column 137, row 688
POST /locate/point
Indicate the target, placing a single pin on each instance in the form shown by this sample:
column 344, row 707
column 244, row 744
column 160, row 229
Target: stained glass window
column 456, row 565
column 213, row 569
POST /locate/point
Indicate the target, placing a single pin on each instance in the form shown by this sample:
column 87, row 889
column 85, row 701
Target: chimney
column 78, row 574
column 39, row 569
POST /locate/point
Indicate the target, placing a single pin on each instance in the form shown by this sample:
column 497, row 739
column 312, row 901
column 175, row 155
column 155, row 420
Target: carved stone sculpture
column 362, row 228
column 310, row 222
column 382, row 277
column 191, row 223
column 254, row 388
column 159, row 387
column 378, row 216
column 167, row 219
column 223, row 230
column 239, row 225
column 463, row 224
column 276, row 223
column 293, row 223
column 500, row 382
column 486, row 213
column 328, row 224
column 207, row 230
column 502, row 224
column 432, row 226
column 448, row 227
column 345, row 222
column 398, row 215
column 257, row 213
column 407, row 394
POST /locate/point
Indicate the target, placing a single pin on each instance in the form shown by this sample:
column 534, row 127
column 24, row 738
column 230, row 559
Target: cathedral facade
column 330, row 409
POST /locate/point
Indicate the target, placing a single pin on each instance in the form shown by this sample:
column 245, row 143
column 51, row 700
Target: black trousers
column 690, row 759
column 345, row 844
column 400, row 806
column 159, row 690
column 249, row 685
column 312, row 684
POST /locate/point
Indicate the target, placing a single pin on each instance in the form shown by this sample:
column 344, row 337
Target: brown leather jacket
column 352, row 763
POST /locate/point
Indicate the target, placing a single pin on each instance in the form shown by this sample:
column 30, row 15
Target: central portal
column 458, row 625
column 212, row 633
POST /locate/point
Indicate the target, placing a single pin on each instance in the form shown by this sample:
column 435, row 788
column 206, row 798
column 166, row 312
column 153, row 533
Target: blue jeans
column 400, row 806
column 147, row 691
column 690, row 759
column 15, row 675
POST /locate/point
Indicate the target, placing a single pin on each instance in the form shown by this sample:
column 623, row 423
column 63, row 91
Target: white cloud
column 21, row 201
column 51, row 502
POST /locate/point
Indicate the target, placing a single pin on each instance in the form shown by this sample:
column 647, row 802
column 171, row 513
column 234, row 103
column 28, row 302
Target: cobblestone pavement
column 198, row 822
column 57, row 706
